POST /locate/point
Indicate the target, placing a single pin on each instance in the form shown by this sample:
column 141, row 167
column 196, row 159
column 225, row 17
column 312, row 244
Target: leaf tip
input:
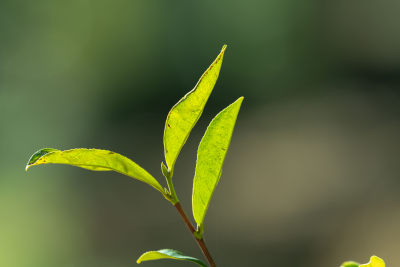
column 37, row 155
column 224, row 47
column 238, row 101
column 221, row 54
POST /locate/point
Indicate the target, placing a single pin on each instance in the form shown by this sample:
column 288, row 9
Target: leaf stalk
column 172, row 194
column 172, row 197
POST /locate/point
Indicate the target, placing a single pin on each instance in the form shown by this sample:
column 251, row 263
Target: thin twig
column 200, row 242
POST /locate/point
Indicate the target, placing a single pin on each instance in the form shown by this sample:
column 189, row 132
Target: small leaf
column 350, row 264
column 167, row 254
column 164, row 170
column 95, row 160
column 184, row 114
column 374, row 262
column 210, row 158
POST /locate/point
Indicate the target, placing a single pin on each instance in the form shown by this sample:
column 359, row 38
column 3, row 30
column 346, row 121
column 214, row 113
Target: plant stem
column 175, row 201
column 172, row 194
column 200, row 242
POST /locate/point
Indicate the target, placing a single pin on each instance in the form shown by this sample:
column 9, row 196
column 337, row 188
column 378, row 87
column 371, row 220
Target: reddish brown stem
column 200, row 242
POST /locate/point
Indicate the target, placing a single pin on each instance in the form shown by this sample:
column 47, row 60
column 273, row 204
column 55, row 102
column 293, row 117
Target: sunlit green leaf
column 95, row 160
column 210, row 158
column 184, row 115
column 374, row 262
column 167, row 254
column 350, row 264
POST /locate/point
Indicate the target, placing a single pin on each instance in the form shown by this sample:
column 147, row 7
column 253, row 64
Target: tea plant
column 210, row 158
column 180, row 121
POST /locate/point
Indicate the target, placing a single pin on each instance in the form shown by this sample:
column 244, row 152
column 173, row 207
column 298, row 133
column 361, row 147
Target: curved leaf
column 210, row 158
column 95, row 160
column 184, row 114
column 167, row 254
column 374, row 262
column 350, row 264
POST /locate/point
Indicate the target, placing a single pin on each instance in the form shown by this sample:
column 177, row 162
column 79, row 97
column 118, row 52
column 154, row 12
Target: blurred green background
column 312, row 175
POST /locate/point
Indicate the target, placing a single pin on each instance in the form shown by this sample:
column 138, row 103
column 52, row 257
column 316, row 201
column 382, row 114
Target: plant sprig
column 179, row 123
column 210, row 158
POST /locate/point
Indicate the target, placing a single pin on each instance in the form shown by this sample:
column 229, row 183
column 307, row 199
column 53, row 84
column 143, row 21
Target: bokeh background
column 312, row 175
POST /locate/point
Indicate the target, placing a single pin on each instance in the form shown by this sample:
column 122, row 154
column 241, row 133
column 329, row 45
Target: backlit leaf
column 374, row 262
column 167, row 254
column 350, row 264
column 210, row 158
column 184, row 114
column 95, row 160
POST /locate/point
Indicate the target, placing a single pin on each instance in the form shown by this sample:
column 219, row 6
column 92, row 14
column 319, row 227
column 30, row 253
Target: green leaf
column 184, row 114
column 164, row 170
column 167, row 254
column 210, row 158
column 350, row 264
column 374, row 262
column 95, row 160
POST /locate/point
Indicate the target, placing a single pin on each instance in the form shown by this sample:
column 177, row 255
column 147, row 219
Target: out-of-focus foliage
column 350, row 264
column 374, row 262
